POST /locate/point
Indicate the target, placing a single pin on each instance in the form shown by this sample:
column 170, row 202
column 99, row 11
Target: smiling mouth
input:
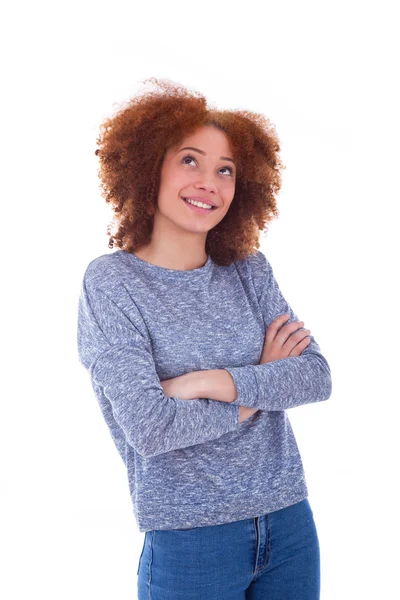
column 195, row 205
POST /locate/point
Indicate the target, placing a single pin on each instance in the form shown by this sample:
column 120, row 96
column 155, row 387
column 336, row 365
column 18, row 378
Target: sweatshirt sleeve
column 117, row 354
column 288, row 382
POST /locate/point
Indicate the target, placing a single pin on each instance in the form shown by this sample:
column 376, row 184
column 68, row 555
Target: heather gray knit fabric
column 190, row 463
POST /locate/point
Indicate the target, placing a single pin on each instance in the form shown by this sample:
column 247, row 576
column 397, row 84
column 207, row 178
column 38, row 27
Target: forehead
column 208, row 139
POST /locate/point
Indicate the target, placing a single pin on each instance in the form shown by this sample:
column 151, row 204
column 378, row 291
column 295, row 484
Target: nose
column 208, row 187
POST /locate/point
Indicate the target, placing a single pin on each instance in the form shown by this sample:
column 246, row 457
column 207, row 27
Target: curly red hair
column 132, row 145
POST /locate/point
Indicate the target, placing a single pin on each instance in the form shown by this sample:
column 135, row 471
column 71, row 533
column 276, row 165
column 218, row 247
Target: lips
column 198, row 199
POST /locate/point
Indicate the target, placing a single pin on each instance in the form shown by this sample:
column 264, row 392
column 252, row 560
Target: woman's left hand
column 183, row 387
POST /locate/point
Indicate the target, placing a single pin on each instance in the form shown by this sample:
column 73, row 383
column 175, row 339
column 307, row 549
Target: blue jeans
column 275, row 556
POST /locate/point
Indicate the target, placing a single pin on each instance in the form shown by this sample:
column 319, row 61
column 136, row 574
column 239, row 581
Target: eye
column 193, row 158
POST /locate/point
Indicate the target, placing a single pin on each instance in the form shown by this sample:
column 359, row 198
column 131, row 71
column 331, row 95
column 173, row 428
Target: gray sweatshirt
column 190, row 463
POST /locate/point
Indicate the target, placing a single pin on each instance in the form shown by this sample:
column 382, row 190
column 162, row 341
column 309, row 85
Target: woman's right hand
column 284, row 344
column 280, row 345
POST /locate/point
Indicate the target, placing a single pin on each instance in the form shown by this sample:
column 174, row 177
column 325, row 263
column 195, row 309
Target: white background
column 326, row 74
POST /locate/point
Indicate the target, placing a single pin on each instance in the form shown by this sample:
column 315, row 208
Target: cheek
column 228, row 197
column 229, row 190
column 171, row 175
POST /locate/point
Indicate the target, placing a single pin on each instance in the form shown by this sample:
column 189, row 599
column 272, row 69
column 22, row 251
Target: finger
column 299, row 347
column 287, row 331
column 275, row 325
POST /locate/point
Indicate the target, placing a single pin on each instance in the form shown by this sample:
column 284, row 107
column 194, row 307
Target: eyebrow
column 203, row 153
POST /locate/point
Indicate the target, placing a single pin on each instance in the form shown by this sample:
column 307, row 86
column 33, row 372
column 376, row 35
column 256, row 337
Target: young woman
column 195, row 355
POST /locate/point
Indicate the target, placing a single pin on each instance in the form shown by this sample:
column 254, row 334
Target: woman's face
column 209, row 173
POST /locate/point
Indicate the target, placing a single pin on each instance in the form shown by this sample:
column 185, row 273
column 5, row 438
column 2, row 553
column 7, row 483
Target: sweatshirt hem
column 234, row 508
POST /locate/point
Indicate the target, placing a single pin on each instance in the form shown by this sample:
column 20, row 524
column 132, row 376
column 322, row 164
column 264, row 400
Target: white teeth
column 201, row 204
